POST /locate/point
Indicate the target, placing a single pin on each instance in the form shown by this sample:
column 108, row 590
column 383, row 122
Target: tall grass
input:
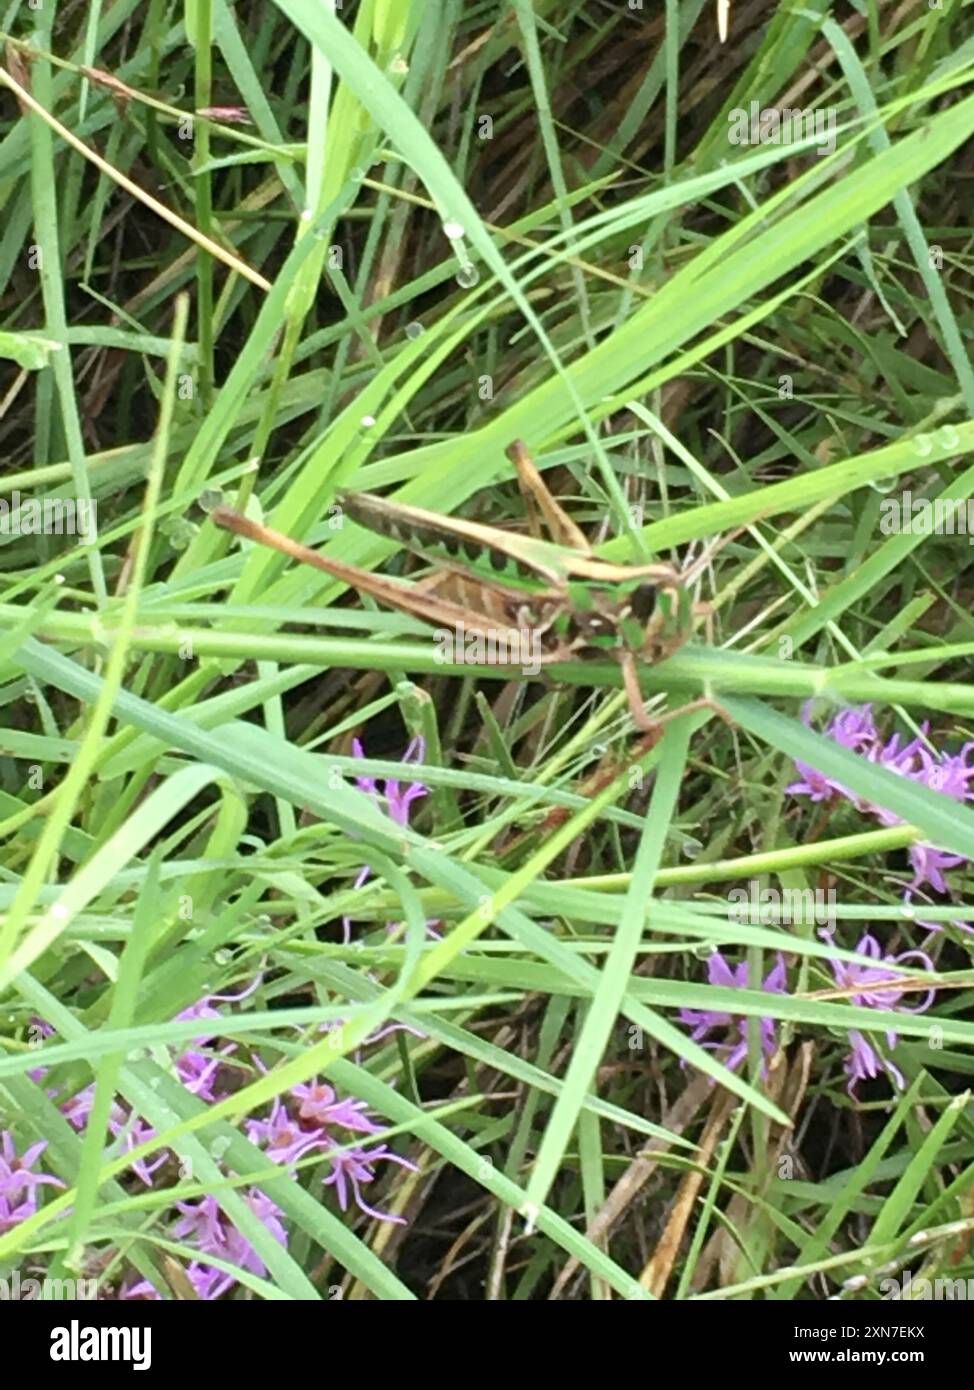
column 267, row 253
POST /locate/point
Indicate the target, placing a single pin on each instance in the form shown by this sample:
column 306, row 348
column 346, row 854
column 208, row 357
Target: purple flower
column 200, row 1071
column 863, row 1061
column 283, row 1140
column 77, row 1112
column 353, row 1167
column 397, row 801
column 206, row 1224
column 950, row 775
column 286, row 1138
column 137, row 1131
column 319, row 1103
column 18, row 1184
column 735, row 1045
column 851, row 728
column 945, row 773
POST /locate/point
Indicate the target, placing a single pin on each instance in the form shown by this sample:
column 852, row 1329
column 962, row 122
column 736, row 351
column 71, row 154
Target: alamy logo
column 907, row 515
column 500, row 646
column 769, row 126
column 77, row 1343
column 48, row 516
column 18, row 1290
column 908, row 1289
column 755, row 905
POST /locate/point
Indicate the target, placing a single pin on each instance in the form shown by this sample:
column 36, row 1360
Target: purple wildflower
column 735, row 1045
column 200, row 1071
column 353, row 1167
column 863, row 1061
column 282, row 1138
column 319, row 1103
column 851, row 728
column 945, row 773
column 397, row 801
column 286, row 1138
column 18, row 1184
column 77, row 1112
column 207, row 1225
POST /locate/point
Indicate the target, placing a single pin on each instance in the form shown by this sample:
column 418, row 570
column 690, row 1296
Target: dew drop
column 883, row 484
column 704, row 951
column 356, row 174
column 368, row 421
column 948, row 437
column 414, row 330
column 923, row 444
column 209, row 498
column 453, row 231
column 223, row 956
column 178, row 531
column 858, row 1281
column 219, row 1146
column 691, row 848
column 467, row 276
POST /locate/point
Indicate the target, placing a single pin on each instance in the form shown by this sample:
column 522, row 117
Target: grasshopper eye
column 642, row 602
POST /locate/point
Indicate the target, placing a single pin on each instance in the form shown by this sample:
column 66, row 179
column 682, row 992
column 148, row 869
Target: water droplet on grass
column 209, row 498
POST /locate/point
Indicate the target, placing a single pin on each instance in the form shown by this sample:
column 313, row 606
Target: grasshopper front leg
column 637, row 708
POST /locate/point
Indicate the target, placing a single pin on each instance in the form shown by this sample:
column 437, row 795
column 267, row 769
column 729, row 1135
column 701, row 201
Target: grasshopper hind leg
column 539, row 502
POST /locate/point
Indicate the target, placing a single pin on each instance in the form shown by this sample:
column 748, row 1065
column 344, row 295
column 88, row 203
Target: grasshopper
column 494, row 583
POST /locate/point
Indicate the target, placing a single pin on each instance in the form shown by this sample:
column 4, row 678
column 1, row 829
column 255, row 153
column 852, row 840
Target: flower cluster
column 201, row 1070
column 308, row 1124
column 732, row 1048
column 309, row 1120
column 949, row 774
column 864, row 1062
column 871, row 986
column 206, row 1225
column 18, row 1181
